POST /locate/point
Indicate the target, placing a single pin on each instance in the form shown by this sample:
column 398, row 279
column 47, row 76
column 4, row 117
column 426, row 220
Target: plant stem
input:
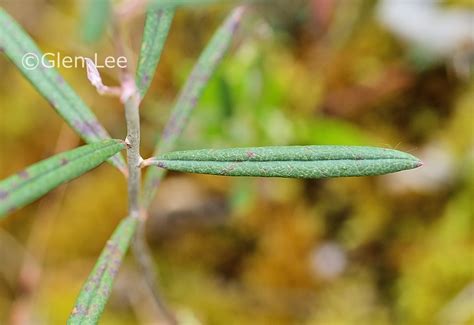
column 134, row 160
column 133, row 146
column 145, row 262
column 131, row 98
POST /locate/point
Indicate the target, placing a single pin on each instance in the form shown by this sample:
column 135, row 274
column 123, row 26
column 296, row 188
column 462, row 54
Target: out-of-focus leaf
column 96, row 17
column 329, row 130
column 293, row 161
column 40, row 178
column 191, row 92
column 24, row 53
column 225, row 98
column 157, row 25
column 96, row 291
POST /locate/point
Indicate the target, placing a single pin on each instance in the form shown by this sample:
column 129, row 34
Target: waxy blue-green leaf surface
column 96, row 290
column 292, row 161
column 23, row 52
column 35, row 181
column 157, row 26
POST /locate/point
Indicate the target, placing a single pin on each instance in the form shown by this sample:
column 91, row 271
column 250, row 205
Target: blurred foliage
column 396, row 249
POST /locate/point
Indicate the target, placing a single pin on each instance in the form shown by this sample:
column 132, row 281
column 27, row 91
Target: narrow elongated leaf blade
column 24, row 53
column 157, row 26
column 292, row 162
column 30, row 184
column 191, row 93
column 96, row 17
column 96, row 291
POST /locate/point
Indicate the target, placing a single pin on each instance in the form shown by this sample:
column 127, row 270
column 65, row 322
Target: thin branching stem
column 139, row 246
column 131, row 98
column 148, row 270
column 133, row 149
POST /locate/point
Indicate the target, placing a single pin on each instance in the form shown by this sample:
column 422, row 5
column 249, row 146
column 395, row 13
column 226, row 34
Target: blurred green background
column 396, row 249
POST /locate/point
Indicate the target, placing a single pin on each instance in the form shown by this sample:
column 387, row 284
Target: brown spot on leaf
column 64, row 161
column 156, row 182
column 251, row 154
column 88, row 128
column 52, row 103
column 23, row 174
column 3, row 195
column 60, row 80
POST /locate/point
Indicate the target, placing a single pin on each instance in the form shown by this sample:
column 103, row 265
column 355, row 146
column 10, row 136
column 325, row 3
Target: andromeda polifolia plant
column 42, row 177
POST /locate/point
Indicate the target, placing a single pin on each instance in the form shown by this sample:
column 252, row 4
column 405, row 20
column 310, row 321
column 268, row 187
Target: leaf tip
column 414, row 163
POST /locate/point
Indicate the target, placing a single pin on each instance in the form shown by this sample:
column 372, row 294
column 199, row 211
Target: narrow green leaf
column 24, row 53
column 191, row 93
column 293, row 162
column 30, row 184
column 96, row 290
column 157, row 26
column 95, row 20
